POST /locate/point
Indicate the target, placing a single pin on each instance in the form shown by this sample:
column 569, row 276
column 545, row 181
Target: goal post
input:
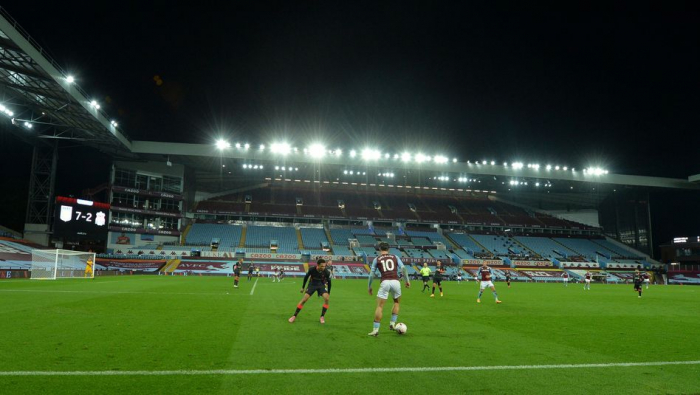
column 57, row 264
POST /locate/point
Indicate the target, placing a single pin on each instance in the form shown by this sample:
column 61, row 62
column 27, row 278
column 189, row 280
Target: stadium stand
column 313, row 237
column 260, row 236
column 203, row 234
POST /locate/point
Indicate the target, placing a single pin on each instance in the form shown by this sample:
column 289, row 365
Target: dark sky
column 564, row 82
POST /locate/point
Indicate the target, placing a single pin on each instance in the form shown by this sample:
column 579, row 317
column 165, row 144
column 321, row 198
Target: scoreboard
column 78, row 219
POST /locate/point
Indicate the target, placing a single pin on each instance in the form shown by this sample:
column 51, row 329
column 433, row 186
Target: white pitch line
column 328, row 371
column 254, row 284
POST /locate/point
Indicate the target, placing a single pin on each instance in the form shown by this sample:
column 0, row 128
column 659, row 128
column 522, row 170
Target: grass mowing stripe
column 349, row 370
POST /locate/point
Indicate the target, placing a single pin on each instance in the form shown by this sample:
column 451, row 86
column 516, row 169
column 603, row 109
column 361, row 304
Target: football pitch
column 186, row 335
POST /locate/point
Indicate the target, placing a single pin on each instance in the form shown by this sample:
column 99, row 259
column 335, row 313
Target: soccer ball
column 401, row 328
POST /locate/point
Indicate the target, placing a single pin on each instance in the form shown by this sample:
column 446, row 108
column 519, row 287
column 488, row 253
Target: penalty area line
column 339, row 371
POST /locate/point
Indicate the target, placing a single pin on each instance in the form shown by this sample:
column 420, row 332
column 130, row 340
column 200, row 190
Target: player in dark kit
column 250, row 271
column 437, row 279
column 320, row 278
column 237, row 272
column 507, row 278
column 388, row 266
column 638, row 279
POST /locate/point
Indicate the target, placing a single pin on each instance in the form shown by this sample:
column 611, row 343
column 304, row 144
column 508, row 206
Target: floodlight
column 420, row 158
column 222, row 144
column 493, row 162
column 353, row 153
column 280, row 148
column 338, row 152
column 238, row 145
column 518, row 165
column 370, row 154
column 549, row 167
column 70, row 79
column 262, row 147
column 557, row 168
column 454, row 160
column 317, row 149
column 277, row 167
column 537, row 184
column 246, row 146
column 566, row 168
column 405, row 157
column 440, row 159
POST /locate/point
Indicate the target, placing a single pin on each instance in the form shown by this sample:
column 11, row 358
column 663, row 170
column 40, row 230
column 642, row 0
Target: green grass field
column 189, row 324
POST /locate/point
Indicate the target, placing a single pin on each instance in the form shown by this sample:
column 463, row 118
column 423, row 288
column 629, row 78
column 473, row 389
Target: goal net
column 53, row 264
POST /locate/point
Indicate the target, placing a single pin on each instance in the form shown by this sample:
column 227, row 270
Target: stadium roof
column 43, row 101
column 503, row 173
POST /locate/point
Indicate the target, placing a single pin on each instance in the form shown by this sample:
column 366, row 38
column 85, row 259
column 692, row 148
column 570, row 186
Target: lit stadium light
column 557, row 168
column 493, row 162
column 338, row 152
column 238, row 145
column 406, row 157
column 387, row 155
column 280, row 148
column 70, row 79
column 420, row 158
column 454, row 160
column 537, row 184
column 261, row 167
column 370, row 154
column 317, row 149
column 440, row 159
column 27, row 125
column 245, row 166
column 364, row 173
column 505, row 164
column 518, row 165
column 95, row 105
column 246, row 146
column 397, row 156
column 549, row 167
column 353, row 153
column 222, row 144
column 277, row 167
column 262, row 147
column 352, row 172
column 255, row 167
column 296, row 169
column 536, row 166
column 306, row 150
column 345, row 172
column 566, row 168
column 114, row 123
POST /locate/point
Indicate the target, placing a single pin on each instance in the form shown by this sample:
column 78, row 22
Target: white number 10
column 388, row 265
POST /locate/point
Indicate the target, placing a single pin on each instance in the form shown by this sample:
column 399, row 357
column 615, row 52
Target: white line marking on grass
column 254, row 284
column 327, row 371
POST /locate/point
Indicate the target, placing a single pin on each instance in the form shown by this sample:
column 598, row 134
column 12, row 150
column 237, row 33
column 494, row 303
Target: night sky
column 614, row 86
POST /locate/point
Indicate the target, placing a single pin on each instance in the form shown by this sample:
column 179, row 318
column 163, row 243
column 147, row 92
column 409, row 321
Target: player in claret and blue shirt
column 388, row 266
column 485, row 275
